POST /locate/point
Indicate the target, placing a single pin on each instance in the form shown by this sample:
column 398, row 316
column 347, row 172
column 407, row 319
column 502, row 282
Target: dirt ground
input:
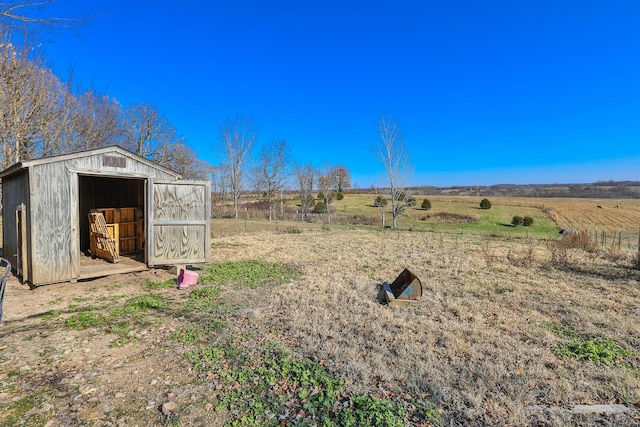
column 78, row 377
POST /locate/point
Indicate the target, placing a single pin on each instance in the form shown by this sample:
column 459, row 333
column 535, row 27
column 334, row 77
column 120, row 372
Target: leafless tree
column 148, row 133
column 98, row 122
column 325, row 188
column 304, row 175
column 272, row 171
column 237, row 136
column 340, row 178
column 30, row 18
column 32, row 101
column 392, row 152
column 179, row 157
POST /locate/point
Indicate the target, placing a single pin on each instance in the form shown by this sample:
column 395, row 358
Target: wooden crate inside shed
column 126, row 227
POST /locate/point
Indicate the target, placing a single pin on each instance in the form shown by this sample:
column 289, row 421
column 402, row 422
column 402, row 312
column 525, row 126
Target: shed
column 161, row 219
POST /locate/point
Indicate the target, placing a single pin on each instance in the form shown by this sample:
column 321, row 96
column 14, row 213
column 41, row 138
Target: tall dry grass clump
column 565, row 250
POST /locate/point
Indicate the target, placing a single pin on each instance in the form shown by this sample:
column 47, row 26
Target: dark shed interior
column 100, row 192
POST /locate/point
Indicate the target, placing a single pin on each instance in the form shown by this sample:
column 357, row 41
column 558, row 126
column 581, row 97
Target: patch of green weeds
column 118, row 321
column 170, row 420
column 81, row 299
column 264, row 386
column 122, row 330
column 220, row 245
column 251, row 274
column 73, row 308
column 47, row 315
column 202, row 299
column 57, row 300
column 140, row 303
column 85, row 320
column 564, row 331
column 152, row 285
column 595, row 350
column 191, row 334
column 23, row 411
column 30, row 337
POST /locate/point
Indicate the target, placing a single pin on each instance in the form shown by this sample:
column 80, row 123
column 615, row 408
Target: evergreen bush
column 380, row 202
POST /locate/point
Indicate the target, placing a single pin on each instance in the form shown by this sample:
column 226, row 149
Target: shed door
column 178, row 222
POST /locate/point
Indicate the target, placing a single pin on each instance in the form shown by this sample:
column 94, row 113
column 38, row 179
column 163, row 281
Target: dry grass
column 478, row 344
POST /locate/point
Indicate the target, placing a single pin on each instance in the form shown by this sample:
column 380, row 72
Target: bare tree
column 340, row 178
column 181, row 158
column 392, row 152
column 98, row 122
column 148, row 133
column 324, row 188
column 32, row 100
column 272, row 170
column 237, row 136
column 304, row 175
column 27, row 18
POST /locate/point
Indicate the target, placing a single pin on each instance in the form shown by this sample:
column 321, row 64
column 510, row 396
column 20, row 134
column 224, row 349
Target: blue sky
column 485, row 92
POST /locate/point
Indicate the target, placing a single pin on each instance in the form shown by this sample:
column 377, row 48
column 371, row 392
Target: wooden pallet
column 102, row 244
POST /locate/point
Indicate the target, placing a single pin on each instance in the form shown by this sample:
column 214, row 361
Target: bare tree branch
column 30, row 18
column 271, row 173
column 237, row 137
column 392, row 152
column 305, row 177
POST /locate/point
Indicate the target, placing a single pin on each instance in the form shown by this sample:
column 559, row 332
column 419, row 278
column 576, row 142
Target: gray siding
column 51, row 226
column 179, row 222
column 15, row 190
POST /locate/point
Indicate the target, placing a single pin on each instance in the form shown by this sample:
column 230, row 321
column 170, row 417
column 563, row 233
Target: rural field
column 515, row 326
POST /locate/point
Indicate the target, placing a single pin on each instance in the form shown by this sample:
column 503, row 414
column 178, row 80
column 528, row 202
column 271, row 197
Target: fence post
column 638, row 260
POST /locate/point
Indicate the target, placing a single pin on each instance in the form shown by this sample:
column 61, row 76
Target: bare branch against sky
column 33, row 18
column 391, row 151
column 237, row 137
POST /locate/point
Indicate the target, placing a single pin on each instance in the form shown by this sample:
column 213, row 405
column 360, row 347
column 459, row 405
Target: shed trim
column 110, row 149
column 107, row 173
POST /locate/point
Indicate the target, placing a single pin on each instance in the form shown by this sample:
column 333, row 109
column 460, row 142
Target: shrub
column 410, row 201
column 320, row 196
column 517, row 220
column 307, row 201
column 426, row 204
column 527, row 221
column 320, row 207
column 380, row 202
column 485, row 204
column 340, row 195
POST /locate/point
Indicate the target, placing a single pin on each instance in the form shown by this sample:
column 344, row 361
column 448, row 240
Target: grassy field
column 462, row 214
column 506, row 331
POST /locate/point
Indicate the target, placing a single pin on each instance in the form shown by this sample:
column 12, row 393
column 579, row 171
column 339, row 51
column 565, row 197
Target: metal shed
column 46, row 202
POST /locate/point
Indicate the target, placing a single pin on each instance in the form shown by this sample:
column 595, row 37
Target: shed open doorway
column 122, row 202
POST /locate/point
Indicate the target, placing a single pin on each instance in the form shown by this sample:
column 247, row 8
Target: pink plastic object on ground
column 187, row 278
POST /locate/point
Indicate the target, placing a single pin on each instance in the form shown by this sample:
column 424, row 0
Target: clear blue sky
column 485, row 92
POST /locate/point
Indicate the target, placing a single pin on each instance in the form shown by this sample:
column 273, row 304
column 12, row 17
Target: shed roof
column 105, row 150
